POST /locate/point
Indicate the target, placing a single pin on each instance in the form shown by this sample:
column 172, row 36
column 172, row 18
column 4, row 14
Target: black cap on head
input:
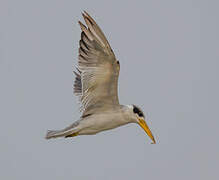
column 138, row 111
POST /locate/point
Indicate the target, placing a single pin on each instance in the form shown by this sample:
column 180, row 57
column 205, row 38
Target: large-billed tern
column 96, row 85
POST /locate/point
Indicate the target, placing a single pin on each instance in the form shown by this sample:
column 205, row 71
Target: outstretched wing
column 98, row 70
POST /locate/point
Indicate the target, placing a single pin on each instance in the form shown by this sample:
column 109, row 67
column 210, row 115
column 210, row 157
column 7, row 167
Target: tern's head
column 138, row 117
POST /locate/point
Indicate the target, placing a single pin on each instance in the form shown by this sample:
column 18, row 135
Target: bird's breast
column 101, row 122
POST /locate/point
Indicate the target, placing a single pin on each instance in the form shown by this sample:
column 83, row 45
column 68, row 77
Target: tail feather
column 54, row 134
column 70, row 131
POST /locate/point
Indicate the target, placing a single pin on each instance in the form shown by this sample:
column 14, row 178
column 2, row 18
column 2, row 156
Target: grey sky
column 168, row 51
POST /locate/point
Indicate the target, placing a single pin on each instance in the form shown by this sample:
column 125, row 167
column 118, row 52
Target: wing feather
column 97, row 77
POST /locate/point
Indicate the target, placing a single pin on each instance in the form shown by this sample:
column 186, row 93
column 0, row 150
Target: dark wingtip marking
column 82, row 42
column 80, row 56
column 83, row 50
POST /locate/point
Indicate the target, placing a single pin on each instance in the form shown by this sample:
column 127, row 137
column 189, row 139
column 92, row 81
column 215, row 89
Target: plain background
column 168, row 51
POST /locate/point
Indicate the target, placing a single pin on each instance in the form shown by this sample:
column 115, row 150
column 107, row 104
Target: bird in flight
column 96, row 85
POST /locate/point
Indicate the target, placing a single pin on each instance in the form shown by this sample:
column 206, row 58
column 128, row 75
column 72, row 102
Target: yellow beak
column 143, row 124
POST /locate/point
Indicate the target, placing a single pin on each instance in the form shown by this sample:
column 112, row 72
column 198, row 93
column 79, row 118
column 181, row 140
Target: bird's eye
column 140, row 114
column 117, row 62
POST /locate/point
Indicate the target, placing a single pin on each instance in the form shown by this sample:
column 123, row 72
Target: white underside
column 100, row 122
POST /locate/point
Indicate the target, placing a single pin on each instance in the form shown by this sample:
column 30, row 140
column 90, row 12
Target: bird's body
column 103, row 121
column 96, row 84
column 92, row 124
